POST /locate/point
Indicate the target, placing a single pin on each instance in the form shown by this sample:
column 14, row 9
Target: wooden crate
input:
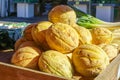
column 12, row 72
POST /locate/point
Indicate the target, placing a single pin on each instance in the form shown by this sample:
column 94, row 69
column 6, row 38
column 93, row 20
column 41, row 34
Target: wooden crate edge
column 111, row 72
column 12, row 72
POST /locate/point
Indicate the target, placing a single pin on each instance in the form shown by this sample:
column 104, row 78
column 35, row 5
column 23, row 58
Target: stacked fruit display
column 61, row 47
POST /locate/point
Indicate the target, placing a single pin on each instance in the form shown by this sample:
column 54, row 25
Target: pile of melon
column 60, row 47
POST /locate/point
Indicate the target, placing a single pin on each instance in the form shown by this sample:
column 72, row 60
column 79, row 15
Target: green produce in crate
column 5, row 41
column 89, row 21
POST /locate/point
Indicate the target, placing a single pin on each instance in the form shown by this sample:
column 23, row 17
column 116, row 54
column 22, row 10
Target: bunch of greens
column 89, row 21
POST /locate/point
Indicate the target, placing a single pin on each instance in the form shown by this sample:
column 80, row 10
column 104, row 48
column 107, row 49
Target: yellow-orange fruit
column 27, row 32
column 19, row 42
column 26, row 57
column 117, row 43
column 63, row 14
column 69, row 55
column 57, row 63
column 62, row 37
column 85, row 36
column 38, row 34
column 110, row 50
column 28, row 43
column 89, row 60
column 101, row 35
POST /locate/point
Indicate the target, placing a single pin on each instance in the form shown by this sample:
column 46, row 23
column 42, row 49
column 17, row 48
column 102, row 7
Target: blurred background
column 107, row 10
column 15, row 15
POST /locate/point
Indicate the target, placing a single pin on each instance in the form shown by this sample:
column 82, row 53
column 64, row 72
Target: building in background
column 29, row 8
column 32, row 8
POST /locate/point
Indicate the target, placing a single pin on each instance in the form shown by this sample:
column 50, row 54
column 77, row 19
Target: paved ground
column 28, row 20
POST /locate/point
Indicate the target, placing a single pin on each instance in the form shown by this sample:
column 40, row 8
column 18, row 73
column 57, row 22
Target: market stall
column 105, row 10
column 25, row 8
column 70, row 45
column 10, row 32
